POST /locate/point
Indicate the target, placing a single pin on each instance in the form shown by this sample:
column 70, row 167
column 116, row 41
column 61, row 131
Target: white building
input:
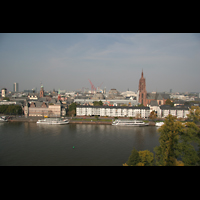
column 180, row 112
column 3, row 92
column 113, row 111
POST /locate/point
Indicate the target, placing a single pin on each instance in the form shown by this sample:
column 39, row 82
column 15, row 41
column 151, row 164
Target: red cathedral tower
column 142, row 91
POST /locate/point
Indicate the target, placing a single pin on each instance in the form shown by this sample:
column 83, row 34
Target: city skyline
column 67, row 60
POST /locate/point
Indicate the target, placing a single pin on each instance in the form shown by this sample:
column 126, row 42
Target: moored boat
column 3, row 119
column 129, row 123
column 53, row 121
column 159, row 124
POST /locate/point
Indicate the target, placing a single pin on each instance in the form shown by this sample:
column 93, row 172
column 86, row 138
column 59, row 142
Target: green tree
column 194, row 114
column 72, row 109
column 140, row 158
column 134, row 158
column 6, row 98
column 11, row 109
column 153, row 115
column 3, row 108
column 169, row 102
column 146, row 157
column 72, row 106
column 168, row 151
column 187, row 151
column 98, row 103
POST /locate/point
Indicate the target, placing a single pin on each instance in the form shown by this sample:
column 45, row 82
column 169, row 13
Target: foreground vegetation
column 176, row 144
column 11, row 109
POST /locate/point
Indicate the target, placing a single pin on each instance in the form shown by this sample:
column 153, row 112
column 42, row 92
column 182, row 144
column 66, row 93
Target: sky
column 67, row 61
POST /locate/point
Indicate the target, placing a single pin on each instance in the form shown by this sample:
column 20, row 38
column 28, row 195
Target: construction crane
column 98, row 88
column 92, row 87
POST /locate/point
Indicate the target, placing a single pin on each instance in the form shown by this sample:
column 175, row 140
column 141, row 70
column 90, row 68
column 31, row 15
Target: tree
column 72, row 109
column 153, row 115
column 140, row 158
column 134, row 158
column 176, row 142
column 6, row 98
column 187, row 151
column 194, row 114
column 169, row 102
column 146, row 157
column 11, row 109
column 98, row 103
column 72, row 106
column 168, row 151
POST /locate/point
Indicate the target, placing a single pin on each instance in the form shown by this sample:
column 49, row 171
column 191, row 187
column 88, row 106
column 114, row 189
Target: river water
column 31, row 144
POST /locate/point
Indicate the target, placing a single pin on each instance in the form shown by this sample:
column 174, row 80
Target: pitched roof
column 153, row 103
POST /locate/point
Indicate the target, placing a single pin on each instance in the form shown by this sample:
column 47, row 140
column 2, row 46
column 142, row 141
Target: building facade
column 3, row 92
column 113, row 111
column 15, row 87
column 37, row 109
column 179, row 112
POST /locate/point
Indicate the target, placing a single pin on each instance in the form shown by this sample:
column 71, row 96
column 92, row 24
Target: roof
column 114, row 107
column 153, row 103
column 167, row 107
column 158, row 96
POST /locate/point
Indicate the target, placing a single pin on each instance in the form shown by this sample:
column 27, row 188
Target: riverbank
column 71, row 121
column 75, row 120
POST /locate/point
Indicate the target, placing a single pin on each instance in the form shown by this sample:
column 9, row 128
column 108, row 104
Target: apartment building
column 112, row 111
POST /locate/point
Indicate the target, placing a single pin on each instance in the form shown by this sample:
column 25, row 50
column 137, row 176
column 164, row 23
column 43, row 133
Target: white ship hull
column 129, row 123
column 3, row 119
column 159, row 124
column 52, row 121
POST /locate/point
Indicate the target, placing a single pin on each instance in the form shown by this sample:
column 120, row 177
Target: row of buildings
column 114, row 103
column 132, row 111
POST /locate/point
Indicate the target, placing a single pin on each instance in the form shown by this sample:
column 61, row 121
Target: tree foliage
column 169, row 102
column 189, row 135
column 98, row 103
column 194, row 114
column 11, row 109
column 134, row 158
column 72, row 106
column 176, row 146
column 167, row 152
column 153, row 115
column 175, row 142
column 146, row 157
column 72, row 109
column 140, row 158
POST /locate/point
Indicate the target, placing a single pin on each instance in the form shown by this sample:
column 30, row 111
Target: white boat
column 129, row 123
column 159, row 123
column 3, row 119
column 53, row 121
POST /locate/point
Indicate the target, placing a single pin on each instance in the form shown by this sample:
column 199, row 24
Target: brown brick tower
column 142, row 91
column 42, row 91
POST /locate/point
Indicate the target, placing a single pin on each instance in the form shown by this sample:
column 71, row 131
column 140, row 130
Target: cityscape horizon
column 67, row 61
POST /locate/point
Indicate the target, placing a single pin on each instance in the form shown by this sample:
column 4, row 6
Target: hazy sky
column 67, row 60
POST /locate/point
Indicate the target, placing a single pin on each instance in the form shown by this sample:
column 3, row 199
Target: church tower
column 42, row 91
column 142, row 91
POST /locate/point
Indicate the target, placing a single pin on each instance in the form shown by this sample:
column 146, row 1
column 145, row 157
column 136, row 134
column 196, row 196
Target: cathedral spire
column 142, row 91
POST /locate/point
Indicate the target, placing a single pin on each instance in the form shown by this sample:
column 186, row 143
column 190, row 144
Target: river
column 31, row 144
